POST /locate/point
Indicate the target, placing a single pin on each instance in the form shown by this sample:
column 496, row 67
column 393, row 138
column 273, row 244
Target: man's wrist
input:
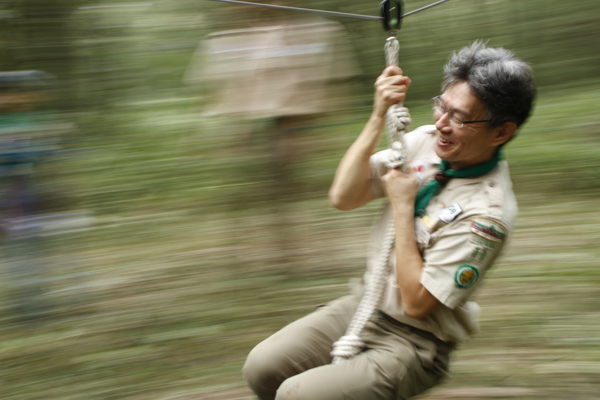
column 403, row 202
column 404, row 211
column 377, row 118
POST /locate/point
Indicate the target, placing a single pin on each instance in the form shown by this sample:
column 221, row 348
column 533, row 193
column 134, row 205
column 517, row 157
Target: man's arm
column 350, row 187
column 401, row 190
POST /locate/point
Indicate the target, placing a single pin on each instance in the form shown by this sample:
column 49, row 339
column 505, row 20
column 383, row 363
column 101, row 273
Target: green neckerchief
column 431, row 188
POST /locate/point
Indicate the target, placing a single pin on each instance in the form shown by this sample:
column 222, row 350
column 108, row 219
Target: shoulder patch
column 466, row 275
column 489, row 229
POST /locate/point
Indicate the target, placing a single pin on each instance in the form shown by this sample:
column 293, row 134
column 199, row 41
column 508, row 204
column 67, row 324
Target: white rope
column 397, row 117
column 392, row 49
column 398, row 121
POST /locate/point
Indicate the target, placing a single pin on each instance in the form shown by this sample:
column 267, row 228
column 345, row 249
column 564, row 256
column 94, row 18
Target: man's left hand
column 401, row 188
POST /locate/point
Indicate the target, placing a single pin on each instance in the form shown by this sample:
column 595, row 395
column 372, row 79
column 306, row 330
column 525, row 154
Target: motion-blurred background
column 164, row 168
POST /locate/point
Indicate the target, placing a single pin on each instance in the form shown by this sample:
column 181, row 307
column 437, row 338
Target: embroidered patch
column 484, row 242
column 479, row 253
column 466, row 275
column 489, row 229
column 449, row 213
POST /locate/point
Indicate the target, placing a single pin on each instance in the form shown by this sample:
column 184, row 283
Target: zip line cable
column 332, row 13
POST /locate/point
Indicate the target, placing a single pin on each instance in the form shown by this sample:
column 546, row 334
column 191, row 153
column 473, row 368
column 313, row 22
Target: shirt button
column 492, row 183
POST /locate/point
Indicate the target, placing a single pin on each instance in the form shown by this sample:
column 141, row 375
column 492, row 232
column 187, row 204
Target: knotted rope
column 397, row 121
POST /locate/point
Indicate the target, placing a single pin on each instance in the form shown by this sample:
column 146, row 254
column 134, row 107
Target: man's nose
column 442, row 121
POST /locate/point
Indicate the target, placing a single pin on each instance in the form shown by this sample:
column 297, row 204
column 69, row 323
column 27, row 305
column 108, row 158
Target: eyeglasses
column 455, row 118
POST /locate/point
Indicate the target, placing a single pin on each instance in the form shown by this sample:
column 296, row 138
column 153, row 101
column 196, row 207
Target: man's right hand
column 390, row 88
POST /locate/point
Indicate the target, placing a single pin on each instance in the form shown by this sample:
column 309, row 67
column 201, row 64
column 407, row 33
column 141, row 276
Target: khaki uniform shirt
column 462, row 232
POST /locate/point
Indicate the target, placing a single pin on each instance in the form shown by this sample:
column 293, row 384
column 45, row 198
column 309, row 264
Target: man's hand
column 401, row 190
column 390, row 88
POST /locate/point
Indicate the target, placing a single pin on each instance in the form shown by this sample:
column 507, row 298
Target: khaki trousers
column 398, row 362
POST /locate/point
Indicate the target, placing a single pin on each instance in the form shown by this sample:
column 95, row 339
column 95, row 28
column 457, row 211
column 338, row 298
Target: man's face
column 471, row 144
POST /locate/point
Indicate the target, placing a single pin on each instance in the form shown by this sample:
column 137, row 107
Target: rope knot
column 347, row 347
column 398, row 118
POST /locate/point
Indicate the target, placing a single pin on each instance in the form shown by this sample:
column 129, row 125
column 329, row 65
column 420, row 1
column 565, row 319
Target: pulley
column 391, row 14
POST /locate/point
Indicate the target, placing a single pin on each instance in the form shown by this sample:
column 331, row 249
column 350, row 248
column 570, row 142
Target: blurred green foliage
column 192, row 260
column 102, row 53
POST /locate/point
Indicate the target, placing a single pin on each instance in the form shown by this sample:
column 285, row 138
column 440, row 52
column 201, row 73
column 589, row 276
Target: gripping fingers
column 393, row 87
column 392, row 70
column 392, row 93
column 400, row 185
column 390, row 88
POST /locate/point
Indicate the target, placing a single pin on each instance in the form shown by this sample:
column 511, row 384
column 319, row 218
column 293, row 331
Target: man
column 448, row 231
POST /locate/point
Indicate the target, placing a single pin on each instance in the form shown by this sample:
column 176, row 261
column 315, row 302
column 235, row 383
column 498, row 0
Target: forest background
column 192, row 259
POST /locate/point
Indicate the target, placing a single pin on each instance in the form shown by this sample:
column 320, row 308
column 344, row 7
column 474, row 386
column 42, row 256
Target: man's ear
column 504, row 133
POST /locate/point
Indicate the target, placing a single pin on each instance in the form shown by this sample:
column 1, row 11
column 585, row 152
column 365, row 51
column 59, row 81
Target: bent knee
column 289, row 390
column 257, row 367
column 264, row 370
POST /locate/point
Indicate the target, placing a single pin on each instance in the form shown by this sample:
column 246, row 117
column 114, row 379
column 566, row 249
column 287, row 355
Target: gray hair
column 498, row 78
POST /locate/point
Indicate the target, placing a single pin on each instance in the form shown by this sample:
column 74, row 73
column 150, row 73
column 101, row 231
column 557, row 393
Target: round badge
column 466, row 275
